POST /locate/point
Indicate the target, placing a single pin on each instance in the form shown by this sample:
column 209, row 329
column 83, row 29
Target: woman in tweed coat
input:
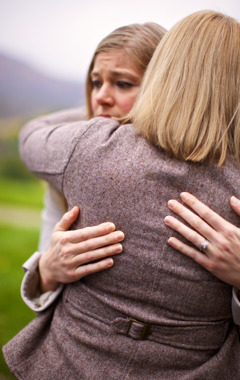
column 156, row 314
column 112, row 85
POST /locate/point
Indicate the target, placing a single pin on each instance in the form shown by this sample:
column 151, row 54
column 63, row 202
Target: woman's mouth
column 106, row 115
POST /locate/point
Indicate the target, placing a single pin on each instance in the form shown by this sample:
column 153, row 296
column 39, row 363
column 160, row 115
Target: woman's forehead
column 116, row 59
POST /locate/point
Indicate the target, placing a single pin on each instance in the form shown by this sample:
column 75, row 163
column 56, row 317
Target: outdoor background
column 45, row 49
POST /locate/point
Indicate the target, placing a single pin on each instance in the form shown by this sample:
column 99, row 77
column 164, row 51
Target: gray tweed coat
column 156, row 314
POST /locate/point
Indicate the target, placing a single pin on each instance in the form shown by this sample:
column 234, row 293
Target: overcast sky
column 59, row 36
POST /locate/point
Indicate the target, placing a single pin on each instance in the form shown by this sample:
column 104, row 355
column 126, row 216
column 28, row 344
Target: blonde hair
column 189, row 101
column 138, row 40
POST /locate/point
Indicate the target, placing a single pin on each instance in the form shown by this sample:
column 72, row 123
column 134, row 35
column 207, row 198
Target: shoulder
column 101, row 134
column 103, row 128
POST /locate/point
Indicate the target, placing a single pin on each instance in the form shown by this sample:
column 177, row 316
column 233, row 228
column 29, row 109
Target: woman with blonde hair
column 112, row 84
column 156, row 314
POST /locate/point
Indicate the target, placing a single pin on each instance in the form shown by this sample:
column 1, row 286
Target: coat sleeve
column 70, row 115
column 46, row 147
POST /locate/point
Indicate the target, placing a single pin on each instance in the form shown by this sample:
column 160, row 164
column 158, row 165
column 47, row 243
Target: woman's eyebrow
column 117, row 72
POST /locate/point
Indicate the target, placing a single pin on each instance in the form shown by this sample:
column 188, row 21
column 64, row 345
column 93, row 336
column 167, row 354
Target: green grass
column 18, row 186
column 17, row 244
column 16, row 192
column 19, row 189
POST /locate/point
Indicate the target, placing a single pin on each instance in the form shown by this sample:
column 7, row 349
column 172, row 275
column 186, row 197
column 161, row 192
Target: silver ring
column 204, row 245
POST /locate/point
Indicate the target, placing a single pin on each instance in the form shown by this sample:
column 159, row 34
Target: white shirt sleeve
column 30, row 290
column 52, row 213
column 54, row 209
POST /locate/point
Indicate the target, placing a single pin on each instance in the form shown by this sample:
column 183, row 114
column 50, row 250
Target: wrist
column 46, row 283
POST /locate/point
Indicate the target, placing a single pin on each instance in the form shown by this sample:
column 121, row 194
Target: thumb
column 67, row 220
column 235, row 204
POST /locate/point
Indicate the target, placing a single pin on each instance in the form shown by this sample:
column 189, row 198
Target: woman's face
column 115, row 84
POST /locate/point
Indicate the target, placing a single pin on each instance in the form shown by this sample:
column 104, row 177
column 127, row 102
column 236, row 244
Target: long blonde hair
column 189, row 101
column 137, row 40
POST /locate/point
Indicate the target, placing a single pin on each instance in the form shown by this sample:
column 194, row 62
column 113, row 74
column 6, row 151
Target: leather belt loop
column 142, row 331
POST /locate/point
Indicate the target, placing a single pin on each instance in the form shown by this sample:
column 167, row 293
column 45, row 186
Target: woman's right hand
column 71, row 253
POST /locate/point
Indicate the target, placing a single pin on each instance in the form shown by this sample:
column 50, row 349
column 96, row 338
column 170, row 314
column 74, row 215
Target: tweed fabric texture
column 113, row 174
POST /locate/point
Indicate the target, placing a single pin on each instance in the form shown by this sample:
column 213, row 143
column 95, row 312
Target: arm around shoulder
column 46, row 148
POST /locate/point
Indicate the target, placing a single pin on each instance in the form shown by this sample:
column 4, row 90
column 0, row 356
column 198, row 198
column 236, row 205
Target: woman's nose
column 105, row 95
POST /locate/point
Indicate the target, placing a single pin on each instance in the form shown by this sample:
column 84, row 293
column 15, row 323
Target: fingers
column 98, row 242
column 92, row 249
column 67, row 220
column 87, row 233
column 183, row 230
column 221, row 257
column 81, row 265
column 74, row 255
column 203, row 228
column 195, row 255
column 235, row 204
column 97, row 254
column 227, row 269
column 211, row 217
column 85, row 270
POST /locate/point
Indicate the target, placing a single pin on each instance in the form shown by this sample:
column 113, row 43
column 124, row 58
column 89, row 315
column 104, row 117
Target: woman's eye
column 123, row 84
column 96, row 83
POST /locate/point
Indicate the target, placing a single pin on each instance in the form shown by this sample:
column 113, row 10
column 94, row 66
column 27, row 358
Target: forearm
column 46, row 148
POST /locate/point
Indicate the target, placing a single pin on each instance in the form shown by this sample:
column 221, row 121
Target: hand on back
column 222, row 255
column 73, row 254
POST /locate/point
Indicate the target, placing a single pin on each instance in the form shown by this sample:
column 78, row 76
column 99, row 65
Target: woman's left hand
column 221, row 257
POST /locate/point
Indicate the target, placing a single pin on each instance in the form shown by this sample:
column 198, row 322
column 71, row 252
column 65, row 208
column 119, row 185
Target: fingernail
column 166, row 220
column 75, row 208
column 171, row 203
column 234, row 201
column 119, row 248
column 72, row 211
column 184, row 196
column 110, row 262
column 110, row 225
column 120, row 235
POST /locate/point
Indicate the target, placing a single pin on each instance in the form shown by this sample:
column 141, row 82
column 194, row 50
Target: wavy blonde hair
column 137, row 40
column 189, row 101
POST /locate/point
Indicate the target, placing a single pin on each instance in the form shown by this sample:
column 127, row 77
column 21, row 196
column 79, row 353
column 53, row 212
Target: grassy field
column 21, row 199
column 21, row 193
column 18, row 242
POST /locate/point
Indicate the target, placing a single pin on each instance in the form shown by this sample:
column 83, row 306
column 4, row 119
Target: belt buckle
column 146, row 331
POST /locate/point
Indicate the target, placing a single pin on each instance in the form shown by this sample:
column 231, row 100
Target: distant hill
column 25, row 91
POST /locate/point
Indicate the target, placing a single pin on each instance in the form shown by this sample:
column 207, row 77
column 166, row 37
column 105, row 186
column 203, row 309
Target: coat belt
column 209, row 336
